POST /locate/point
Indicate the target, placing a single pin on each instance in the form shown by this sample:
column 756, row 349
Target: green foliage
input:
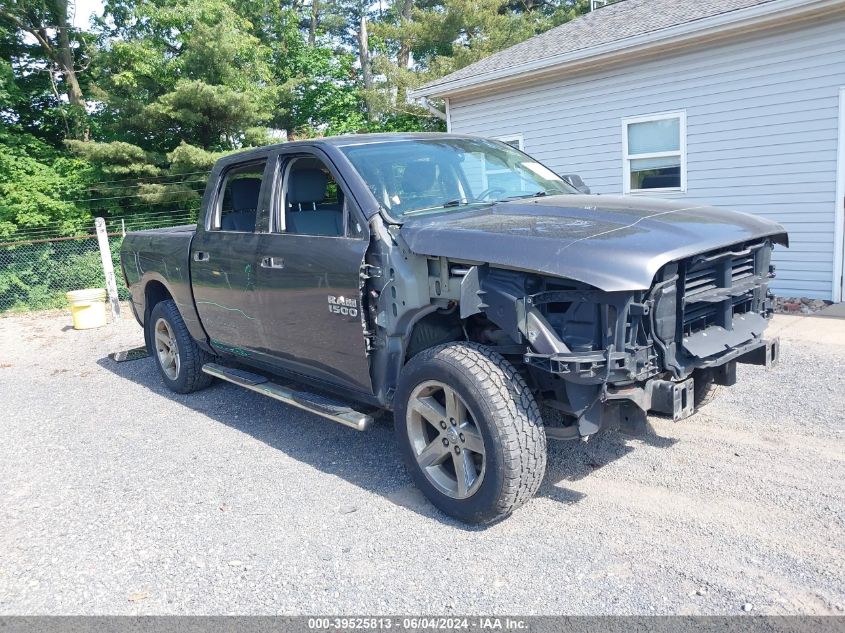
column 190, row 72
column 38, row 185
column 125, row 120
column 446, row 35
column 187, row 159
column 214, row 116
column 168, row 194
column 46, row 55
column 132, row 182
column 326, row 101
column 9, row 92
column 37, row 276
column 114, row 160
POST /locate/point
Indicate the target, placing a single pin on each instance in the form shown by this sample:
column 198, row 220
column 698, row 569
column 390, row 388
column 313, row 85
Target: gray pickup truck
column 460, row 284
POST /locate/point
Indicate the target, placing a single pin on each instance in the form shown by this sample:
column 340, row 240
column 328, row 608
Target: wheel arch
column 155, row 288
column 431, row 329
column 155, row 291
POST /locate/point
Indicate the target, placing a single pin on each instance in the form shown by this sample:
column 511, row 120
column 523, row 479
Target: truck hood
column 611, row 242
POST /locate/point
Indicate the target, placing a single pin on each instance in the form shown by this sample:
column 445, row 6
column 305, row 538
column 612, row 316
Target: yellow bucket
column 87, row 307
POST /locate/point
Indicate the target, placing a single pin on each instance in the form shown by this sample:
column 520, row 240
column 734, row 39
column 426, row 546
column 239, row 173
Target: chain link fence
column 38, row 267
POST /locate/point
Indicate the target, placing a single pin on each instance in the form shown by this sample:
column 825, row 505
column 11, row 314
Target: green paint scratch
column 211, row 303
column 228, row 348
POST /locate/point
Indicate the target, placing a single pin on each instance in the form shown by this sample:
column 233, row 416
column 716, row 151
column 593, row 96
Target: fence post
column 108, row 267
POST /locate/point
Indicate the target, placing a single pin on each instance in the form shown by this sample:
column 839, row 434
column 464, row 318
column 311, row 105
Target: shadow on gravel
column 369, row 460
column 572, row 461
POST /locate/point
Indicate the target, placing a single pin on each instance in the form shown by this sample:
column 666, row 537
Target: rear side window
column 237, row 204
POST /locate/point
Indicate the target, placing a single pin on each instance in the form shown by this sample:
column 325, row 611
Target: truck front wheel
column 178, row 358
column 705, row 389
column 469, row 431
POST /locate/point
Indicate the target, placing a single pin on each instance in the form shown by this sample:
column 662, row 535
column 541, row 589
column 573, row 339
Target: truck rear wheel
column 469, row 431
column 178, row 358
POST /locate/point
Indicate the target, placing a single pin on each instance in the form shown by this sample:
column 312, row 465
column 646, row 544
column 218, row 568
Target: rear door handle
column 201, row 256
column 272, row 262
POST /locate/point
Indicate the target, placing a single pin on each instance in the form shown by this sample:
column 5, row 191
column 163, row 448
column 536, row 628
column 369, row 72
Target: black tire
column 188, row 375
column 705, row 390
column 502, row 410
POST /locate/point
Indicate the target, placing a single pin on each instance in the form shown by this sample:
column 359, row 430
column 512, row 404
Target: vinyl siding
column 762, row 117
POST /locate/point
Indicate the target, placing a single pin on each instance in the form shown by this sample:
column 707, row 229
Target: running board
column 320, row 405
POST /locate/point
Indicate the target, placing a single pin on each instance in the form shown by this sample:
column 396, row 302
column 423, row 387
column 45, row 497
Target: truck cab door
column 224, row 258
column 309, row 274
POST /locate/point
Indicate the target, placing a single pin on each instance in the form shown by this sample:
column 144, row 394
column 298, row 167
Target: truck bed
column 161, row 255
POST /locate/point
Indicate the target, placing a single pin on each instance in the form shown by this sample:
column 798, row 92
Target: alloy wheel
column 445, row 439
column 167, row 349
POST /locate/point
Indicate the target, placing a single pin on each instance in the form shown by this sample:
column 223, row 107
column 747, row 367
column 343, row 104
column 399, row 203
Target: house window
column 502, row 177
column 655, row 153
column 514, row 140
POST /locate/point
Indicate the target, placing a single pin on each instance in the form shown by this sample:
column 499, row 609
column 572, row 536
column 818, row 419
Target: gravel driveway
column 118, row 497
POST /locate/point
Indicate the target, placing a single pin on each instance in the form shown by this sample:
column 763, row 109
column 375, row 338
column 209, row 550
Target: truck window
column 313, row 203
column 442, row 176
column 237, row 204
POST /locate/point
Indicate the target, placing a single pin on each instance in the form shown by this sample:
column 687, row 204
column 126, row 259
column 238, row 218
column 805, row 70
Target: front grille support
column 719, row 286
column 725, row 314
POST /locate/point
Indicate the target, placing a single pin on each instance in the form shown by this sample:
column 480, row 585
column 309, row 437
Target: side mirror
column 576, row 181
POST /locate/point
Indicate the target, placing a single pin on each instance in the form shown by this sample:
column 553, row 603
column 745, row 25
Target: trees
column 59, row 51
column 158, row 88
column 47, row 22
column 125, row 118
column 169, row 72
column 449, row 34
column 38, row 185
column 46, row 62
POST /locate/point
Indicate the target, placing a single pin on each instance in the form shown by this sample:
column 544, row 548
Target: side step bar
column 320, row 405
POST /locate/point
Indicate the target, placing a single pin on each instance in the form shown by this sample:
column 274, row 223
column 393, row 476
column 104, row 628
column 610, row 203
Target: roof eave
column 723, row 24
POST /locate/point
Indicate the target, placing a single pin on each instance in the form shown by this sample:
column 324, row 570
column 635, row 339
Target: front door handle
column 272, row 262
column 201, row 256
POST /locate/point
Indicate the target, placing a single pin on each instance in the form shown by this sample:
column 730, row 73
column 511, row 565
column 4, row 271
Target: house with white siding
column 734, row 103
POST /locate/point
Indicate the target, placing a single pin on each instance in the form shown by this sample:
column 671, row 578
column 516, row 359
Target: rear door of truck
column 224, row 254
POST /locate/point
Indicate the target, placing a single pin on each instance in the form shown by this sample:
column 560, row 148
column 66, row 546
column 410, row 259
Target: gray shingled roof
column 627, row 18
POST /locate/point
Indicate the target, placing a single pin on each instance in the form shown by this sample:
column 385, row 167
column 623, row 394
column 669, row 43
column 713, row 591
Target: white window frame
column 509, row 138
column 627, row 158
column 506, row 138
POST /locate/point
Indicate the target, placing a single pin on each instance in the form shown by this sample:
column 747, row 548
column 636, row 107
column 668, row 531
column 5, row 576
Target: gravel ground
column 118, row 497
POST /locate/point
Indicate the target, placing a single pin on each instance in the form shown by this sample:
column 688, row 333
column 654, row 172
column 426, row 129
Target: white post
column 108, row 267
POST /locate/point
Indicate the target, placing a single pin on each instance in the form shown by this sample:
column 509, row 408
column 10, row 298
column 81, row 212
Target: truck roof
column 343, row 141
column 359, row 139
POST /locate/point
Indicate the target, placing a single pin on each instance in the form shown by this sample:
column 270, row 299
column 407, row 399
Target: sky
column 84, row 10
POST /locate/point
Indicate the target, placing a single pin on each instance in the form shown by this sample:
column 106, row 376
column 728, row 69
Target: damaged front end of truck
column 606, row 358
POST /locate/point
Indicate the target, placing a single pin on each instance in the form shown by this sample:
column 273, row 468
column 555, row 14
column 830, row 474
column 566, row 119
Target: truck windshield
column 415, row 177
